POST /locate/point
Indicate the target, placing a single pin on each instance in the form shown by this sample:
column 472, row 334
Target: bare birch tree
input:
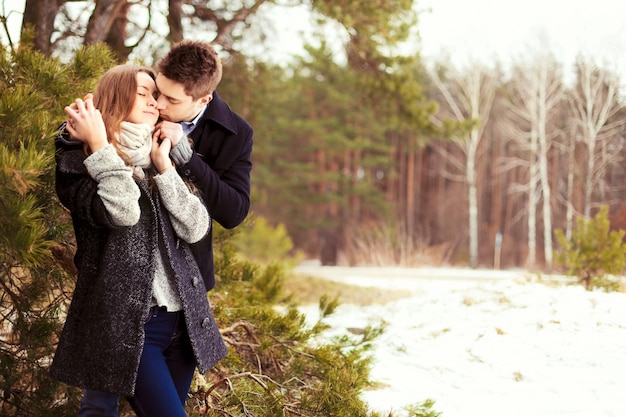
column 538, row 89
column 468, row 98
column 569, row 186
column 594, row 99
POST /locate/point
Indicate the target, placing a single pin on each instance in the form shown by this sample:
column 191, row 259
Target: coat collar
column 220, row 113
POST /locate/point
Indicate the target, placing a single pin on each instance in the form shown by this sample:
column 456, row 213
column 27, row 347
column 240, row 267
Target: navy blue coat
column 103, row 335
column 220, row 167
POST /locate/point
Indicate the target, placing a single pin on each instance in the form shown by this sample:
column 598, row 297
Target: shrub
column 276, row 364
column 260, row 242
column 593, row 253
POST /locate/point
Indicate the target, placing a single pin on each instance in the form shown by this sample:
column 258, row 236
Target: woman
column 139, row 322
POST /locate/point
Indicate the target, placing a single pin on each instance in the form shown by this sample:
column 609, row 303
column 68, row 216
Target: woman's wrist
column 96, row 144
column 163, row 169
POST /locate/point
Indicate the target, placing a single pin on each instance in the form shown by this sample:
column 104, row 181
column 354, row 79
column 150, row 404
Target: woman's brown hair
column 115, row 95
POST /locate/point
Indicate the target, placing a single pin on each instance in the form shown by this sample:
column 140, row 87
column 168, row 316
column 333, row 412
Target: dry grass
column 309, row 290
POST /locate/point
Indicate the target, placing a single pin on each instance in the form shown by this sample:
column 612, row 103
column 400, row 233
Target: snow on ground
column 484, row 343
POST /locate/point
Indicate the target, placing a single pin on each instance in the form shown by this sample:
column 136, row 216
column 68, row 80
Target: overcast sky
column 481, row 29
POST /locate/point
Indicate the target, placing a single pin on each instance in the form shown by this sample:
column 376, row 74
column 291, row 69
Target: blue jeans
column 98, row 404
column 165, row 372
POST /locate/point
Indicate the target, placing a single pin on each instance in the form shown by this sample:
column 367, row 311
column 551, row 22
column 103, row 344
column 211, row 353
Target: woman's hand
column 173, row 131
column 160, row 153
column 84, row 123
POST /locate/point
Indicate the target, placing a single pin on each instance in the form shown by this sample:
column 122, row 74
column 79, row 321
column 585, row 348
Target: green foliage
column 593, row 252
column 327, row 305
column 374, row 29
column 259, row 241
column 424, row 409
column 35, row 260
column 278, row 365
column 327, row 135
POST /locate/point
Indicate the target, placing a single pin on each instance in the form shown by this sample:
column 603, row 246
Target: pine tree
column 277, row 364
column 593, row 252
column 33, row 227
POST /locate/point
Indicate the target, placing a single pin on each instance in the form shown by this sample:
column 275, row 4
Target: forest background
column 371, row 157
column 363, row 155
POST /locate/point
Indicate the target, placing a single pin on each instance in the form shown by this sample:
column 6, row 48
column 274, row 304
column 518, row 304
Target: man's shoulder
column 220, row 112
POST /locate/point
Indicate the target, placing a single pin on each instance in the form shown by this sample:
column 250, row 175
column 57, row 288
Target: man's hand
column 170, row 130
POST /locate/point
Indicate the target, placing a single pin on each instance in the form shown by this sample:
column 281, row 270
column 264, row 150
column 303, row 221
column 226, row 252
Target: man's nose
column 160, row 104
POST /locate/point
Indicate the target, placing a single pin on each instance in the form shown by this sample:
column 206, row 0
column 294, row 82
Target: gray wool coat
column 102, row 339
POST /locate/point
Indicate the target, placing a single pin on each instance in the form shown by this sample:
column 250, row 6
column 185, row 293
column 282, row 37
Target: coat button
column 206, row 322
column 187, row 172
column 194, row 281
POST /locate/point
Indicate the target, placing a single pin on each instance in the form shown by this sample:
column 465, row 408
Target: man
column 211, row 147
column 218, row 159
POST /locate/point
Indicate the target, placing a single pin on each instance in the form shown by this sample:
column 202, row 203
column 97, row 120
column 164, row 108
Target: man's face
column 174, row 104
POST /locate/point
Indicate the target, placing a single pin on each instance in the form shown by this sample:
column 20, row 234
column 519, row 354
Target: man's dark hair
column 194, row 64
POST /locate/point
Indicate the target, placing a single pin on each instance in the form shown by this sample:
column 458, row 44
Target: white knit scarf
column 135, row 141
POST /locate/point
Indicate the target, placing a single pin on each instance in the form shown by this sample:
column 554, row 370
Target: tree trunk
column 108, row 24
column 569, row 201
column 547, row 209
column 175, row 21
column 544, row 108
column 101, row 20
column 472, row 203
column 410, row 195
column 116, row 38
column 532, row 203
column 39, row 15
column 591, row 159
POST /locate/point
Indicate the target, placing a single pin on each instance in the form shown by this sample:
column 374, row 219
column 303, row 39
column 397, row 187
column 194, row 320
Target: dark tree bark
column 175, row 21
column 101, row 20
column 39, row 16
column 108, row 24
column 116, row 38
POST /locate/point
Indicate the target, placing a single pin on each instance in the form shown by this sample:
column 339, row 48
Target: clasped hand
column 85, row 123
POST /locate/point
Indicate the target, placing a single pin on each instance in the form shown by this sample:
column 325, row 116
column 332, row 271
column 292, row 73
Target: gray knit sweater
column 120, row 194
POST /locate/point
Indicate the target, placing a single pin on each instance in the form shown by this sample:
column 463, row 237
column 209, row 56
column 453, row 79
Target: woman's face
column 144, row 108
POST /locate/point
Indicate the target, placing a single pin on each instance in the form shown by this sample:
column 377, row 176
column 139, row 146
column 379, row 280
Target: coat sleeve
column 224, row 181
column 116, row 186
column 98, row 189
column 189, row 216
